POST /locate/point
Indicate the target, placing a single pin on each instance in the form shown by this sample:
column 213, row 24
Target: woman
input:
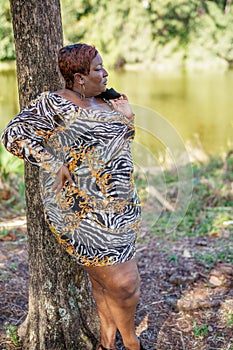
column 81, row 141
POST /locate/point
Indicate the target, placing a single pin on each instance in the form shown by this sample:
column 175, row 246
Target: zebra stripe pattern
column 97, row 220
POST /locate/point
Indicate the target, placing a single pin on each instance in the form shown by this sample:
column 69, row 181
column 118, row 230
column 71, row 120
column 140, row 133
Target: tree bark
column 61, row 312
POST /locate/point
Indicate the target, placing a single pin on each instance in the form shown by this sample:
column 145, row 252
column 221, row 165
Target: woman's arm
column 27, row 133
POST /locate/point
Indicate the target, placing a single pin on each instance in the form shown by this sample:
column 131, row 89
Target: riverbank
column 186, row 300
column 7, row 66
column 166, row 65
column 195, row 105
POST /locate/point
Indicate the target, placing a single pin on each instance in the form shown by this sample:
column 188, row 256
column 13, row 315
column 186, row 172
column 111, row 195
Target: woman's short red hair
column 73, row 59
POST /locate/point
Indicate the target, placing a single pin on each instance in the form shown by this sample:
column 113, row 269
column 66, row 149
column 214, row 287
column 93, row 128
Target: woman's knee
column 125, row 288
column 121, row 281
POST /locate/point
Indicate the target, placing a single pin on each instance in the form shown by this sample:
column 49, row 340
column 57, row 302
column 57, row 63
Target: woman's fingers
column 68, row 177
column 122, row 105
column 124, row 97
column 63, row 175
column 58, row 188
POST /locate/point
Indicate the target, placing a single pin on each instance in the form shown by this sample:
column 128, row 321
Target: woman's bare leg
column 120, row 285
column 107, row 325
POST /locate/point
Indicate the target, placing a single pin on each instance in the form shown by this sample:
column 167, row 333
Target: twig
column 152, row 190
column 141, row 249
column 182, row 340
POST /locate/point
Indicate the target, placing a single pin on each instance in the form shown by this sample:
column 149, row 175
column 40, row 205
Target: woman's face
column 96, row 81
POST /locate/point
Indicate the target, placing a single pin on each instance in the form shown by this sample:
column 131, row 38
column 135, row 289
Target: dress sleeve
column 26, row 135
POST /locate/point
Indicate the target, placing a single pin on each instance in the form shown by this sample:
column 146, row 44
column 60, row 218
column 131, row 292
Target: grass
column 229, row 319
column 172, row 257
column 200, row 331
column 12, row 187
column 13, row 267
column 225, row 254
column 209, row 208
column 207, row 219
column 3, row 233
column 3, row 276
column 9, row 164
column 12, row 332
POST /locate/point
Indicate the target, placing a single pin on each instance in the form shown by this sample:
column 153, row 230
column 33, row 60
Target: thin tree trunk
column 227, row 7
column 61, row 311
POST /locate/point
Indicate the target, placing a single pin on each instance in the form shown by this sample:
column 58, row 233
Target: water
column 197, row 105
column 9, row 105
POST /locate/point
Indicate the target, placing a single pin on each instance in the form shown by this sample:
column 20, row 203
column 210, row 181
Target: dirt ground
column 184, row 303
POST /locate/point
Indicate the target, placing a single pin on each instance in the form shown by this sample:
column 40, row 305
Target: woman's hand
column 62, row 176
column 122, row 105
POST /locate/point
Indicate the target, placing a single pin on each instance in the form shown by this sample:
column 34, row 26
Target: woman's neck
column 87, row 99
column 86, row 103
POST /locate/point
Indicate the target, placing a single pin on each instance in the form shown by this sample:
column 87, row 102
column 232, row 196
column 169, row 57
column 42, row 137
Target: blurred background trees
column 179, row 33
column 7, row 50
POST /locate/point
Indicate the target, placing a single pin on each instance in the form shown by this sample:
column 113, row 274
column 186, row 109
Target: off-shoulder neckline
column 81, row 108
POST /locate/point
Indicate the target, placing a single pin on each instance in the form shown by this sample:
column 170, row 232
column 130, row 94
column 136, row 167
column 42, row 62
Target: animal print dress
column 98, row 217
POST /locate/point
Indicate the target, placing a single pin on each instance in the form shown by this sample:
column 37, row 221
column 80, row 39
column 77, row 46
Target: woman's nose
column 105, row 72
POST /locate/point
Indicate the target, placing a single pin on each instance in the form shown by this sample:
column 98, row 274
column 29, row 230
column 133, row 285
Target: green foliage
column 6, row 33
column 12, row 331
column 208, row 260
column 9, row 164
column 12, row 187
column 211, row 199
column 209, row 213
column 217, row 28
column 152, row 31
column 183, row 32
column 230, row 319
column 3, row 232
column 3, row 276
column 13, row 267
column 172, row 257
column 200, row 331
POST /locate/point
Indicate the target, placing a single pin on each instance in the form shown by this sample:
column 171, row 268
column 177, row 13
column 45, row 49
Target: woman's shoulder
column 47, row 97
column 50, row 102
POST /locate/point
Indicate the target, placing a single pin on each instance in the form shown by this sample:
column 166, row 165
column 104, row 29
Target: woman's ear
column 78, row 78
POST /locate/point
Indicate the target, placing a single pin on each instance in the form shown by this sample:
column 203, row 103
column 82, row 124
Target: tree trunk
column 61, row 311
column 227, row 7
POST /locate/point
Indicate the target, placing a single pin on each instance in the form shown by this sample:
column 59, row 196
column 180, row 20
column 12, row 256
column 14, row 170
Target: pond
column 195, row 106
